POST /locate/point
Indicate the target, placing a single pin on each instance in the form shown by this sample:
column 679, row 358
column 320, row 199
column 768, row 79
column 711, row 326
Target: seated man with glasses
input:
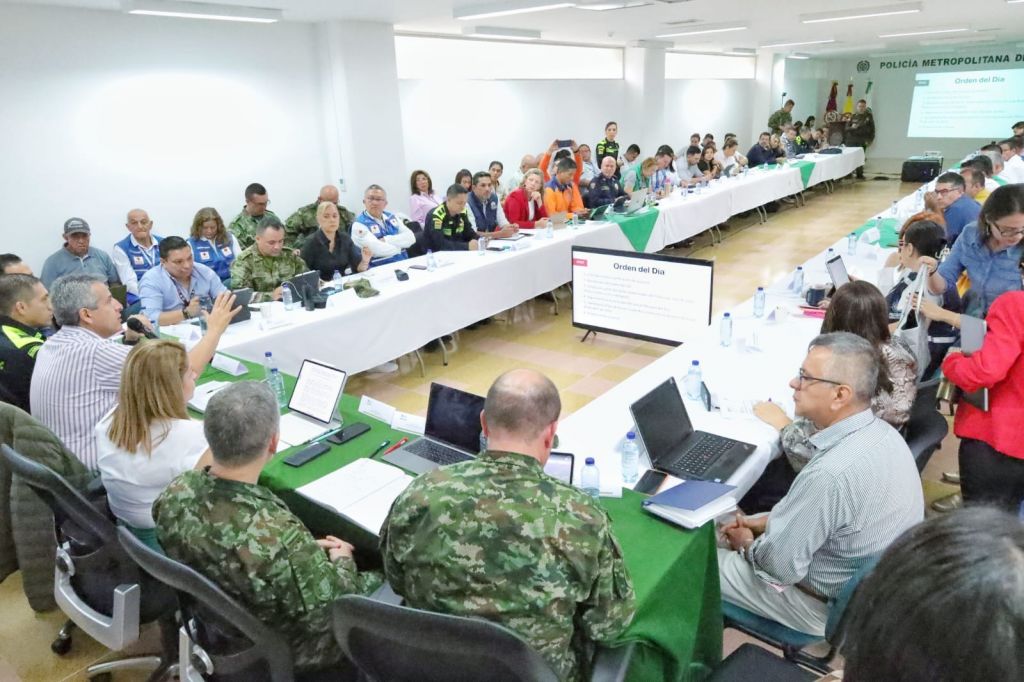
column 951, row 200
column 857, row 494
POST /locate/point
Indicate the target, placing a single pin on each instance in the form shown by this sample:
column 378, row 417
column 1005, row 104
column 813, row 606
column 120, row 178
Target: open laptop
column 314, row 403
column 452, row 432
column 673, row 445
column 837, row 271
column 243, row 297
column 637, row 200
column 306, row 281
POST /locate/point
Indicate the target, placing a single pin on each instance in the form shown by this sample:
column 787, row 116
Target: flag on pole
column 867, row 94
column 848, row 103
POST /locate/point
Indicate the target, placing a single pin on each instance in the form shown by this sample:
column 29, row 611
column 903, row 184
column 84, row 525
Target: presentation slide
column 967, row 104
column 657, row 298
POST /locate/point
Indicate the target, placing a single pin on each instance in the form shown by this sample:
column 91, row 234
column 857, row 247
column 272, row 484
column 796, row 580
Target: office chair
column 391, row 643
column 219, row 639
column 793, row 642
column 95, row 584
column 751, row 662
column 926, row 428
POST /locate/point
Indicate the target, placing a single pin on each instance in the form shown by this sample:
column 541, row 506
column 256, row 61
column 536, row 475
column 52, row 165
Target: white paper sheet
column 362, row 491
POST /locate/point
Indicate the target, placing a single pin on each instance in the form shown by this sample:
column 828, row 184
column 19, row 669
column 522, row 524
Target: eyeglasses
column 1006, row 232
column 944, row 192
column 805, row 378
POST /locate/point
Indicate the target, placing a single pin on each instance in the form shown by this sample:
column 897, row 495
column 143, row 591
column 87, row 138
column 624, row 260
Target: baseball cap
column 76, row 225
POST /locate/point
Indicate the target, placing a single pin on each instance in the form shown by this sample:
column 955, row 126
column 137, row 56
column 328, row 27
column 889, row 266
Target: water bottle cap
column 589, row 461
column 760, row 288
column 799, row 267
column 630, row 436
column 273, row 370
column 853, row 234
column 695, row 363
column 725, row 314
column 267, row 354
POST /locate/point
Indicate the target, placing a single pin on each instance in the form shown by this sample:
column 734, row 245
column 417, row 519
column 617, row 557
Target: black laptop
column 672, row 444
column 452, row 432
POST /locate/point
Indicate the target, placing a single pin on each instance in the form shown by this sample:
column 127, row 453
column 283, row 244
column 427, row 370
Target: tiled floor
column 752, row 254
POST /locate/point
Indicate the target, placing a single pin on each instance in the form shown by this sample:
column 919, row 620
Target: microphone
column 136, row 326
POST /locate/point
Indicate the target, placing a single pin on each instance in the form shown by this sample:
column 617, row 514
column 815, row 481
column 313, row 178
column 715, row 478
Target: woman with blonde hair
column 524, row 206
column 212, row 244
column 640, row 177
column 148, row 438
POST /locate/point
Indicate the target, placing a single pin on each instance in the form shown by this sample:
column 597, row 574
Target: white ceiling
column 988, row 20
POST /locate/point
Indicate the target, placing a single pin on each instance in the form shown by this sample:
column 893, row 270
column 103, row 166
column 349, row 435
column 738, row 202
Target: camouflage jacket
column 244, row 227
column 243, row 538
column 497, row 538
column 779, row 120
column 262, row 273
column 302, row 223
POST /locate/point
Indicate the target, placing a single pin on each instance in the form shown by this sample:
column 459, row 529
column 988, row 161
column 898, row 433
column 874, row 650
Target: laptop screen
column 453, row 417
column 317, row 390
column 661, row 420
column 837, row 271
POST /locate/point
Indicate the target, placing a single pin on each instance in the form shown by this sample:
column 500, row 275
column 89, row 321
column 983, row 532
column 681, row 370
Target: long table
column 357, row 334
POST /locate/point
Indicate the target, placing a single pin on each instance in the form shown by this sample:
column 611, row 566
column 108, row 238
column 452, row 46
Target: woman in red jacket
column 524, row 206
column 992, row 443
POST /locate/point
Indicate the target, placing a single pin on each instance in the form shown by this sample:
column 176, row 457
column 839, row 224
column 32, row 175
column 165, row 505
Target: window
column 708, row 66
column 424, row 58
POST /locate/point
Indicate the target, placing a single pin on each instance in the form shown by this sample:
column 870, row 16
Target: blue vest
column 140, row 259
column 391, row 226
column 217, row 257
column 486, row 215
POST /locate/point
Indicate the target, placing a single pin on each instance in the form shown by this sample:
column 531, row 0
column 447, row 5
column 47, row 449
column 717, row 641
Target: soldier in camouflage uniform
column 222, row 523
column 781, row 118
column 266, row 264
column 497, row 538
column 860, row 130
column 303, row 223
column 244, row 224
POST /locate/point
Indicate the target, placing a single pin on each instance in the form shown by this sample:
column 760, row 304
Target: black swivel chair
column 391, row 643
column 927, row 427
column 95, row 584
column 219, row 639
column 750, row 662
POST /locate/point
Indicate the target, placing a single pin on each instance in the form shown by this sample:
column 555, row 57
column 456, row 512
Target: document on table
column 362, row 491
column 203, row 393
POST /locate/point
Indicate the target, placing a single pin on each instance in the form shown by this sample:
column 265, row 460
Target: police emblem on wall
column 863, row 66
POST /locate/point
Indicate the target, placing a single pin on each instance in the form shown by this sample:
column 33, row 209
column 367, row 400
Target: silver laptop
column 313, row 407
column 452, row 432
column 637, row 200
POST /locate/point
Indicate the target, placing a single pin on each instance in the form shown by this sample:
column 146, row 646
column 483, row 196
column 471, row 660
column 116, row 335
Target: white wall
column 707, row 106
column 102, row 112
column 891, row 97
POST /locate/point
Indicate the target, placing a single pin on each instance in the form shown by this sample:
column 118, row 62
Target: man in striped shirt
column 78, row 370
column 858, row 493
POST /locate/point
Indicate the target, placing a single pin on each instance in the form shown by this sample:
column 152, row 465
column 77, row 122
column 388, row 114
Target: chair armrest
column 612, row 664
column 386, row 595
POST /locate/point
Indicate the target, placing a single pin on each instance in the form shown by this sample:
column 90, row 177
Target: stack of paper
column 691, row 504
column 362, row 491
column 203, row 393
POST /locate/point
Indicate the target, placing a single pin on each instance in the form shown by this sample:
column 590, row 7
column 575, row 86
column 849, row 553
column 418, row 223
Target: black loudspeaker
column 920, row 169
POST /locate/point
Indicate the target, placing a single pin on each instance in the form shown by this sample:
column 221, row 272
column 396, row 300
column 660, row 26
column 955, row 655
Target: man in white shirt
column 857, row 494
column 136, row 254
column 1013, row 165
column 732, row 161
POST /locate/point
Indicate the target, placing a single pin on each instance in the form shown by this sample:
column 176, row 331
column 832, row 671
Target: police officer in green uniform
column 497, row 538
column 244, row 224
column 24, row 310
column 266, row 264
column 447, row 227
column 303, row 223
column 237, row 533
column 781, row 118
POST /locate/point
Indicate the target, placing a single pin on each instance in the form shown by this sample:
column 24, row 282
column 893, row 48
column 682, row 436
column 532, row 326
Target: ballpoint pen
column 379, row 448
column 396, row 445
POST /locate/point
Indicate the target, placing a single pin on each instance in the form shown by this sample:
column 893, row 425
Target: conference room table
column 357, row 334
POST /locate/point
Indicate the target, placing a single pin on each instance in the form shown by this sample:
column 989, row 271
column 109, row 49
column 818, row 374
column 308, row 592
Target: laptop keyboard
column 436, row 453
column 705, row 451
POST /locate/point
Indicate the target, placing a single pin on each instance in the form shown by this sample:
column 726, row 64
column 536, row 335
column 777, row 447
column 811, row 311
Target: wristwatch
column 185, row 313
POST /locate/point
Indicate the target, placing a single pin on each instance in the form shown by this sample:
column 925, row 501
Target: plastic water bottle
column 693, row 380
column 481, row 246
column 268, row 365
column 725, row 329
column 432, row 260
column 798, row 279
column 851, row 244
column 759, row 299
column 550, row 232
column 590, row 478
column 919, row 198
column 286, row 296
column 630, row 459
column 894, row 211
column 336, row 281
column 830, row 254
column 277, row 385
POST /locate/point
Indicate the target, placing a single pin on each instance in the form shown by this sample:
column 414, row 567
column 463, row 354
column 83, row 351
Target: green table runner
column 637, row 227
column 888, row 230
column 805, row 168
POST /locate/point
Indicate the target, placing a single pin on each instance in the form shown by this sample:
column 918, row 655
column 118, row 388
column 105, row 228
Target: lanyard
column 181, row 292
